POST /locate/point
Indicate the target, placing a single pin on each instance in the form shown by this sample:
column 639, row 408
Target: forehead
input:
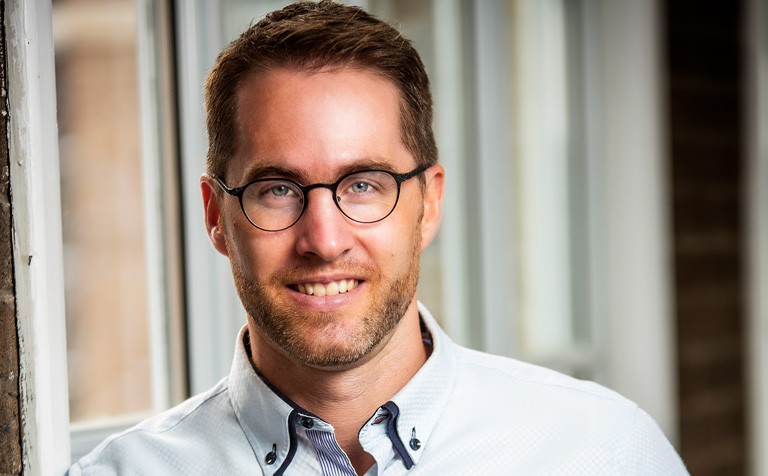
column 316, row 123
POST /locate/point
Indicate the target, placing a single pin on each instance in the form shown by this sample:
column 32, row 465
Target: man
column 322, row 189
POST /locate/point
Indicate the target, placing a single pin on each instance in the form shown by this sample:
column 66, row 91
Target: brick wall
column 10, row 434
column 703, row 40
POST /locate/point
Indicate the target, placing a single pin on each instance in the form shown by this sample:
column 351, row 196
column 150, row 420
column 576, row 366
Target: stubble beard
column 292, row 329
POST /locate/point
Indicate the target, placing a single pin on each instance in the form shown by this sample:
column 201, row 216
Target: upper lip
column 326, row 278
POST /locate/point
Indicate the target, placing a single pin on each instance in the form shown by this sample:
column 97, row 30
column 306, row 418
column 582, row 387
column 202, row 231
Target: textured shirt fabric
column 463, row 413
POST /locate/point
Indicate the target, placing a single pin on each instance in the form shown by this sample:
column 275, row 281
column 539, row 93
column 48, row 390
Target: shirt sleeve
column 649, row 453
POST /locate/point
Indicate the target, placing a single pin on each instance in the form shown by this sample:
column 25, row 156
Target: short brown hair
column 312, row 36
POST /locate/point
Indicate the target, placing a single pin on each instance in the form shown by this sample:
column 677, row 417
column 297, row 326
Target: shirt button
column 271, row 456
column 307, row 422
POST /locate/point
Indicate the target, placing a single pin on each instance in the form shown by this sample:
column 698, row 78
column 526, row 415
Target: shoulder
column 504, row 391
column 526, row 405
column 501, row 373
column 164, row 440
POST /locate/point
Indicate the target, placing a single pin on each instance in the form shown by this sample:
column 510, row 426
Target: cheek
column 395, row 240
column 246, row 251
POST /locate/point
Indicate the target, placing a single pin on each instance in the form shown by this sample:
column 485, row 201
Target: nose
column 323, row 231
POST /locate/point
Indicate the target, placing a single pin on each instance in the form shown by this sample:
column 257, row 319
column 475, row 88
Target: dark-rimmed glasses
column 275, row 204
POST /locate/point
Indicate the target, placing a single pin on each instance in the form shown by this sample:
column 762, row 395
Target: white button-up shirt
column 463, row 413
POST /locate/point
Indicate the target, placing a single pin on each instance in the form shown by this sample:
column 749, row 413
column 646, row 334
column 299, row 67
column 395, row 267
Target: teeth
column 328, row 289
column 305, row 288
column 332, row 289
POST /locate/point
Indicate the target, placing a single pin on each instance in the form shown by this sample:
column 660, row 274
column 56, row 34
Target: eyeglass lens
column 365, row 197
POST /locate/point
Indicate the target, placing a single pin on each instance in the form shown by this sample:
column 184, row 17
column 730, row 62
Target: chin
column 337, row 349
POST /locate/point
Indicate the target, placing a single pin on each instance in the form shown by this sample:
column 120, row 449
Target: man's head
column 325, row 274
column 312, row 36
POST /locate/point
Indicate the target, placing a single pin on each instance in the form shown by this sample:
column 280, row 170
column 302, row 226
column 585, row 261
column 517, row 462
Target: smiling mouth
column 326, row 289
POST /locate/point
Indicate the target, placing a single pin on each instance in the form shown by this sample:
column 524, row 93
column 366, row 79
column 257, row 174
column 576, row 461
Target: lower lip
column 325, row 303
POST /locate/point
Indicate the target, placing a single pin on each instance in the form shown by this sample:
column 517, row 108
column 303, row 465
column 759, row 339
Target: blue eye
column 360, row 187
column 272, row 193
column 280, row 190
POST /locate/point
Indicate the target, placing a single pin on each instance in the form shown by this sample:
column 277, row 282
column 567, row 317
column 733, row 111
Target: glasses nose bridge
column 330, row 186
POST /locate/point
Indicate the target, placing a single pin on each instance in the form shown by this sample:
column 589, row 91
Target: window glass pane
column 102, row 208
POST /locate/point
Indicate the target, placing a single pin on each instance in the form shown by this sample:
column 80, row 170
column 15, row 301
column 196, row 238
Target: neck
column 346, row 398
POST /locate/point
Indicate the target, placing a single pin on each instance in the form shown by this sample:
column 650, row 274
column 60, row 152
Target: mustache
column 352, row 268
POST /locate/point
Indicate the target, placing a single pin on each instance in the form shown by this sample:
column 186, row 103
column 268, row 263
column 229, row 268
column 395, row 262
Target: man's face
column 315, row 127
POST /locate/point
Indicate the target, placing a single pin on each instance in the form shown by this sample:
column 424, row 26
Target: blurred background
column 606, row 208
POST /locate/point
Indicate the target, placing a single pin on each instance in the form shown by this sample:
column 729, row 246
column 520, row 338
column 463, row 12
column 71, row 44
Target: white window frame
column 214, row 312
column 162, row 203
column 38, row 263
column 631, row 228
column 450, row 115
column 495, row 303
column 542, row 184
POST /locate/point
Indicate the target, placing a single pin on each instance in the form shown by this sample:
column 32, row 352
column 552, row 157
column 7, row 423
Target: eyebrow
column 273, row 171
column 268, row 171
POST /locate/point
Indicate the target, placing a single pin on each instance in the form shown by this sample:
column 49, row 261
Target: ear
column 212, row 209
column 433, row 203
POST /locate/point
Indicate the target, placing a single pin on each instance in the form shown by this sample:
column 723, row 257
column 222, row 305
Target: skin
column 316, row 126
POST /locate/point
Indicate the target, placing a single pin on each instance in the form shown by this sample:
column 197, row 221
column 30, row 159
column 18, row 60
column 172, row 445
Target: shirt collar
column 267, row 417
column 422, row 400
column 264, row 416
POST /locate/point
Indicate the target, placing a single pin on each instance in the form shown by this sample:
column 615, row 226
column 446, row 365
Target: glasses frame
column 239, row 191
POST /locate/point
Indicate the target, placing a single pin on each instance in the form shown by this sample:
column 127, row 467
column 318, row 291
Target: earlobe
column 433, row 203
column 212, row 210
